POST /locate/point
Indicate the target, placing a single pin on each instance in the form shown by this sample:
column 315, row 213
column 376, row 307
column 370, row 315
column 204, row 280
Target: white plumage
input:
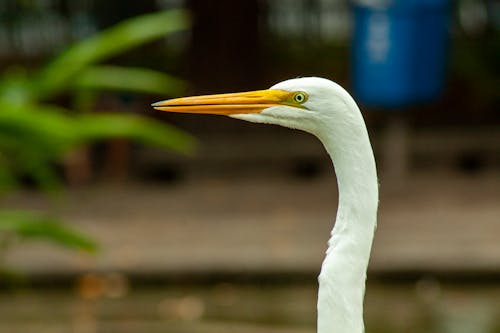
column 324, row 109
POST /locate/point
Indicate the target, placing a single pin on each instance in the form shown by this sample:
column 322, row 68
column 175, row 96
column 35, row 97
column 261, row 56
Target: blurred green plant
column 35, row 134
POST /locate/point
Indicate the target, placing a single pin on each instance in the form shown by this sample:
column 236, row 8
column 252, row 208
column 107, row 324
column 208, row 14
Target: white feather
column 332, row 115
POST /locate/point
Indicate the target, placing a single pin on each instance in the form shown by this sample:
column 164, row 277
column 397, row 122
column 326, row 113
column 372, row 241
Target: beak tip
column 157, row 104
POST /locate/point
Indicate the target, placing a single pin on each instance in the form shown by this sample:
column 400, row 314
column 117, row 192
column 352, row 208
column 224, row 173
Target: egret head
column 303, row 103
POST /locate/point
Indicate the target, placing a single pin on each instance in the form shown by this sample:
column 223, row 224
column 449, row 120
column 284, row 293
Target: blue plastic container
column 399, row 51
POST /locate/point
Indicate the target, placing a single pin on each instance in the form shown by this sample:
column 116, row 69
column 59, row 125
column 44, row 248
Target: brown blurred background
column 230, row 237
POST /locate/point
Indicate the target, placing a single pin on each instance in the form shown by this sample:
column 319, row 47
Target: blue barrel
column 399, row 51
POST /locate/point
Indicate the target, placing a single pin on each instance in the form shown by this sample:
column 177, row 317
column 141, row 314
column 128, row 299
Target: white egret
column 324, row 109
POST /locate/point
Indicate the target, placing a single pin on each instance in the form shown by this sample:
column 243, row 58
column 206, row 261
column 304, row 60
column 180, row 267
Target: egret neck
column 323, row 108
column 343, row 273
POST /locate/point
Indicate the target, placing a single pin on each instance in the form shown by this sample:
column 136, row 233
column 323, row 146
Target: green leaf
column 34, row 137
column 129, row 79
column 40, row 129
column 58, row 74
column 33, row 226
column 15, row 87
column 97, row 127
column 51, row 131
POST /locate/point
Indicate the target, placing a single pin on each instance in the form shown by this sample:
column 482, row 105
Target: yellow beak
column 226, row 104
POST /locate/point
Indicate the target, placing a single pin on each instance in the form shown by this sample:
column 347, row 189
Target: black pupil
column 299, row 98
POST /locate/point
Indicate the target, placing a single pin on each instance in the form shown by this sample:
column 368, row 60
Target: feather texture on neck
column 343, row 273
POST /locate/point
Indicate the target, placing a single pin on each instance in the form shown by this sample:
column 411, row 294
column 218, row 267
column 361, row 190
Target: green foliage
column 128, row 79
column 35, row 135
column 109, row 43
column 27, row 225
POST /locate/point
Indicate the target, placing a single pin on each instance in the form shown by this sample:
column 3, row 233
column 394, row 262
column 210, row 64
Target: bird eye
column 300, row 97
